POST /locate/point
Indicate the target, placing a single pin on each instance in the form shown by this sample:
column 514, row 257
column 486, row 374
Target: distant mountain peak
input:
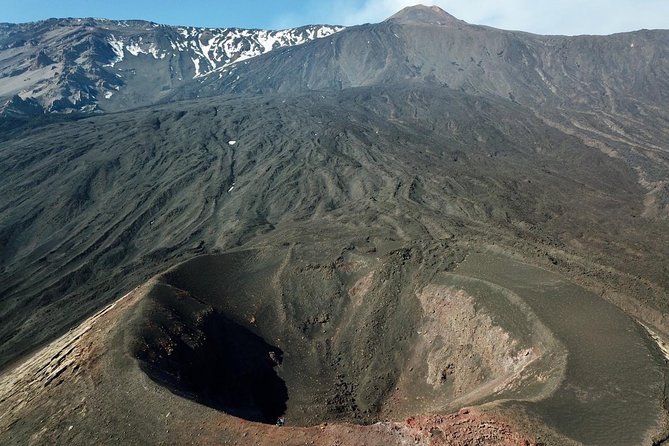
column 428, row 15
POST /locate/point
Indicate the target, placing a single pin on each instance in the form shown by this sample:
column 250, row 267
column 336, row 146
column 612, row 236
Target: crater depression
column 357, row 338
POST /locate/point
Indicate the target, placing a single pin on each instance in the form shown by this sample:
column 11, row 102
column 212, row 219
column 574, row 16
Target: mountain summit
column 425, row 15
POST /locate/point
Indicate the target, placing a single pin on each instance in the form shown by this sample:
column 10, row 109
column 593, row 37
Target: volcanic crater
column 286, row 335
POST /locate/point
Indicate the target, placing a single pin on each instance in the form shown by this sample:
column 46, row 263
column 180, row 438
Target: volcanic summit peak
column 426, row 15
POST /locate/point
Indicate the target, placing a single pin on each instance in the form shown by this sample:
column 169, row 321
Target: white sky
column 538, row 16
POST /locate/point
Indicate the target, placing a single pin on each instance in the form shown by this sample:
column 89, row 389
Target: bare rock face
column 41, row 60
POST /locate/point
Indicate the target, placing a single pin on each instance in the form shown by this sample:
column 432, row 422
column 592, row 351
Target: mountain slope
column 64, row 65
column 610, row 91
column 423, row 45
column 112, row 198
column 430, row 90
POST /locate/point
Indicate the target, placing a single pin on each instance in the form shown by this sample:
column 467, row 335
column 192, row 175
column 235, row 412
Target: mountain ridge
column 65, row 65
column 110, row 65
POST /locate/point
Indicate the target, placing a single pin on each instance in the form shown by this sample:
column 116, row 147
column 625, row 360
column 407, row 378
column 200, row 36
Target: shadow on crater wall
column 202, row 355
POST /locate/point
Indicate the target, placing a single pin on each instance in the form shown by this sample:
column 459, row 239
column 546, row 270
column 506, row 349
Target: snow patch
column 153, row 50
column 117, row 47
column 196, row 63
column 134, row 49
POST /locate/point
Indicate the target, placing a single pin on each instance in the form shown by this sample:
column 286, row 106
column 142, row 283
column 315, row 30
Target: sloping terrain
column 112, row 199
column 74, row 65
column 610, row 91
column 372, row 230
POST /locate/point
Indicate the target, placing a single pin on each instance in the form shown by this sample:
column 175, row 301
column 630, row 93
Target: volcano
column 416, row 231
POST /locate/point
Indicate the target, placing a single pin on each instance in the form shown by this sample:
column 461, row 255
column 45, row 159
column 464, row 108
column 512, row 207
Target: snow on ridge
column 119, row 46
column 213, row 49
column 133, row 49
column 230, row 46
column 216, row 48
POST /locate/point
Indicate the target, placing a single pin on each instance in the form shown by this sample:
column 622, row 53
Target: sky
column 539, row 16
